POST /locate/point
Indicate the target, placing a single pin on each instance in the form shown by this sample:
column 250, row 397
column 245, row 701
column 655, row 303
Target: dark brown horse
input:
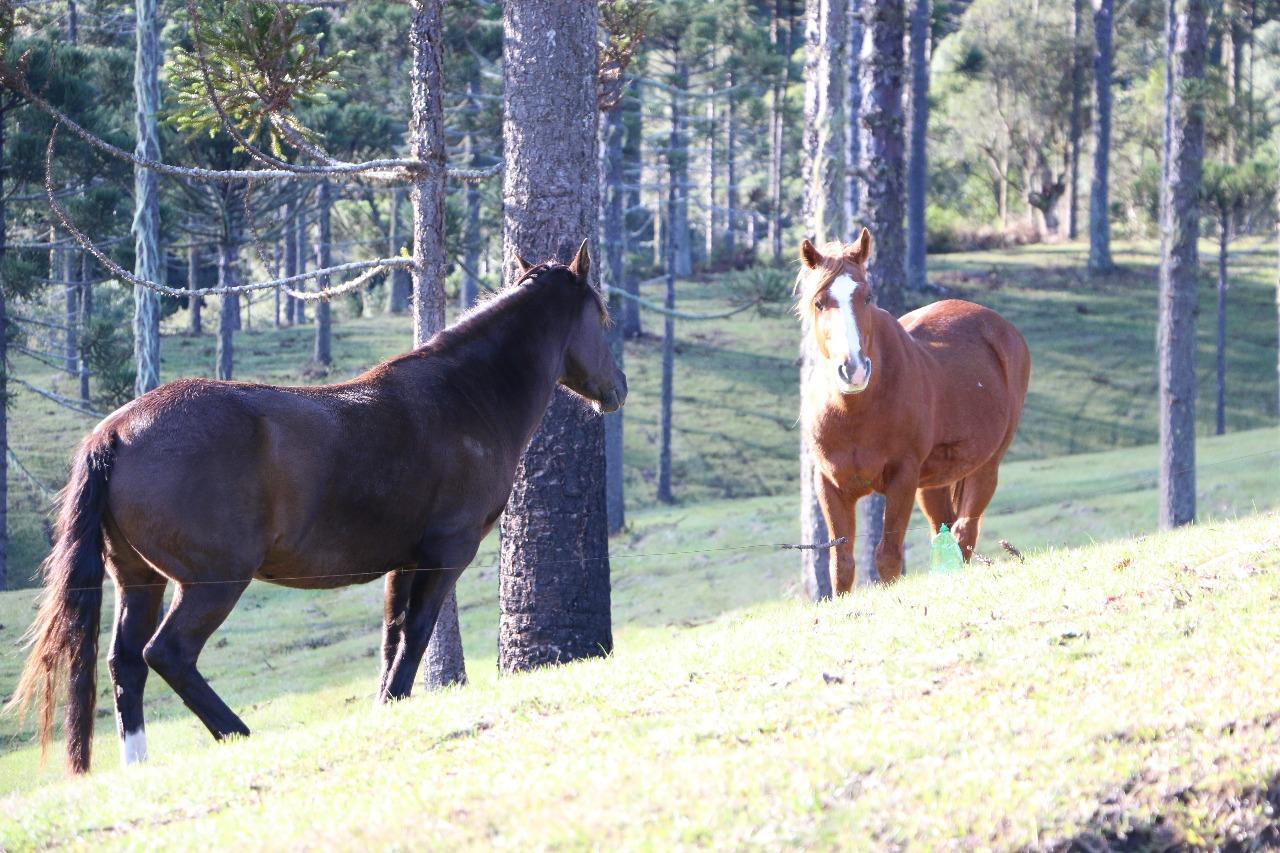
column 399, row 472
column 920, row 407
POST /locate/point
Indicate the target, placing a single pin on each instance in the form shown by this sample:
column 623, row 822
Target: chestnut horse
column 400, row 472
column 924, row 406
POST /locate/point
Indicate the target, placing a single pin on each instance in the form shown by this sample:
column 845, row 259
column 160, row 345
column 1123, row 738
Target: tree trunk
column 632, row 169
column 470, row 290
column 1099, row 193
column 1077, row 121
column 444, row 663
column 554, row 586
column 677, row 195
column 68, row 269
column 85, row 321
column 815, row 564
column 729, row 239
column 777, row 119
column 399, row 281
column 710, row 219
column 917, row 167
column 4, row 374
column 196, row 321
column 678, row 171
column 148, row 261
column 228, row 276
column 301, row 250
column 880, row 201
column 613, row 240
column 853, row 121
column 1179, row 229
column 290, row 238
column 1224, row 242
column 322, row 352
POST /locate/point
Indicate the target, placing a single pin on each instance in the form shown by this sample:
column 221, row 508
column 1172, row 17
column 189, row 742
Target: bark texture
column 880, row 72
column 1179, row 229
column 554, row 587
column 1077, row 121
column 444, row 663
column 1099, row 191
column 917, row 163
column 4, row 377
column 148, row 262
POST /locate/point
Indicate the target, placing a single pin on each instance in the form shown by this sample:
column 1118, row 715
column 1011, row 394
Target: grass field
column 1093, row 385
column 1120, row 692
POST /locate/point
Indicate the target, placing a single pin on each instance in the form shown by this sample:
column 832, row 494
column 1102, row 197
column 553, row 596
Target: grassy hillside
column 1093, row 385
column 1120, row 691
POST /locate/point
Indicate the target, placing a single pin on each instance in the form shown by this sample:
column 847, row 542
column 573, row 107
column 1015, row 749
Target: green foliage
column 770, row 288
column 108, row 344
column 262, row 61
column 1239, row 188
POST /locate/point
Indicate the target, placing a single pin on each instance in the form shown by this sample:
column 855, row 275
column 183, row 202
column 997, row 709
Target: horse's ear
column 862, row 249
column 580, row 266
column 522, row 265
column 809, row 255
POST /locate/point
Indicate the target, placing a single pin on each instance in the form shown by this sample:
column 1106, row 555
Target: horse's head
column 835, row 304
column 590, row 369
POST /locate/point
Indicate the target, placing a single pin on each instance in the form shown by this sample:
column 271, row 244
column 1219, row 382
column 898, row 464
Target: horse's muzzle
column 615, row 397
column 854, row 379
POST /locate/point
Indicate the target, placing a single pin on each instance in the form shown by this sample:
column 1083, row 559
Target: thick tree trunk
column 917, row 166
column 815, row 564
column 148, row 261
column 1077, row 120
column 880, row 201
column 195, row 325
column 1179, row 229
column 677, row 194
column 853, row 120
column 613, row 240
column 554, row 586
column 1220, row 360
column 322, row 351
column 1099, row 191
column 444, row 663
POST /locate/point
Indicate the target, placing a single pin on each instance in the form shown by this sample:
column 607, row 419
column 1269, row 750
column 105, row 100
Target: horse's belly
column 952, row 461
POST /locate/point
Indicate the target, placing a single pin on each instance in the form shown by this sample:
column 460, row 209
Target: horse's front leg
column 430, row 586
column 838, row 508
column 899, row 497
column 395, row 609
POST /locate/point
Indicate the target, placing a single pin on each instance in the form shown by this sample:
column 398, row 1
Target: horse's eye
column 820, row 303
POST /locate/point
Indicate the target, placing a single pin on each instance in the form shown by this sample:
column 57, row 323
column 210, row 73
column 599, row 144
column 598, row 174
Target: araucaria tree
column 554, row 587
column 1100, row 190
column 1179, row 230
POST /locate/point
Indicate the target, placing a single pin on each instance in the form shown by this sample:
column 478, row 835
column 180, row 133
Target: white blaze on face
column 133, row 747
column 846, row 341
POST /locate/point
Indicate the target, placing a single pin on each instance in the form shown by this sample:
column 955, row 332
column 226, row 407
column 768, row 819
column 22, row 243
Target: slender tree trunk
column 148, row 261
column 678, row 218
column 290, row 238
column 4, row 370
column 1077, row 120
column 613, row 240
column 880, row 74
column 228, row 276
column 554, row 586
column 69, row 271
column 1179, row 229
column 196, row 321
column 301, row 250
column 777, row 119
column 470, row 290
column 73, row 22
column 677, row 194
column 729, row 239
column 399, row 281
column 1224, row 243
column 1099, row 193
column 444, row 663
column 85, row 321
column 322, row 352
column 917, row 166
column 632, row 172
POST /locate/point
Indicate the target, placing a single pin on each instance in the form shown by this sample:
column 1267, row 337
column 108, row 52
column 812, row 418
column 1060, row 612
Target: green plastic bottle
column 944, row 553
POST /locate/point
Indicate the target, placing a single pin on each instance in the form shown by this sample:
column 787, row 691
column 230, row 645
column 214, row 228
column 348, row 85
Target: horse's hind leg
column 937, row 506
column 139, row 598
column 196, row 612
column 972, row 494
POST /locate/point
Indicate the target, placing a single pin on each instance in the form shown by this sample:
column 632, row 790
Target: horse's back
column 963, row 335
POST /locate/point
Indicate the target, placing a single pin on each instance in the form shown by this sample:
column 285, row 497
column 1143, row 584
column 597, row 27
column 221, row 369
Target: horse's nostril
column 843, row 372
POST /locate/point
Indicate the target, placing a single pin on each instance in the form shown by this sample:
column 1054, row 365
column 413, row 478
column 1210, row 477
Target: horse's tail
column 64, row 638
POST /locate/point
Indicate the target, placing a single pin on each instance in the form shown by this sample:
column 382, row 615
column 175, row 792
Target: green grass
column 1093, row 384
column 1120, row 690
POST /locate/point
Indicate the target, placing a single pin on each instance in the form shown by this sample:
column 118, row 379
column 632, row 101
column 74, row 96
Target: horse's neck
column 508, row 363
